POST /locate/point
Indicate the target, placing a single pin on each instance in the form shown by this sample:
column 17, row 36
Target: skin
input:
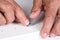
column 51, row 22
column 12, row 12
column 51, row 8
column 36, row 9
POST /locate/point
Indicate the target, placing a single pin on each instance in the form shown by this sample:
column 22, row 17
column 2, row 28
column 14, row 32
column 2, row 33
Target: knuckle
column 50, row 16
column 9, row 6
column 6, row 6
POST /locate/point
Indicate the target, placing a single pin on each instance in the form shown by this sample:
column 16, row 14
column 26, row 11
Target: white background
column 19, row 32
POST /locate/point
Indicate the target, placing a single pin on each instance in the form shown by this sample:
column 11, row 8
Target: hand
column 12, row 11
column 36, row 9
column 51, row 24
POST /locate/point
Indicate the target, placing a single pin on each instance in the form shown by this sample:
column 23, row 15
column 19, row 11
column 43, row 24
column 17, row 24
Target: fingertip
column 44, row 32
column 24, row 22
column 44, row 35
column 35, row 14
column 27, row 22
column 52, row 35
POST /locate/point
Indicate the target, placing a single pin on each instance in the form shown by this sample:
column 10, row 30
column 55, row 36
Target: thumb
column 36, row 9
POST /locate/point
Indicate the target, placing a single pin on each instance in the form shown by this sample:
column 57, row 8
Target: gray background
column 26, row 5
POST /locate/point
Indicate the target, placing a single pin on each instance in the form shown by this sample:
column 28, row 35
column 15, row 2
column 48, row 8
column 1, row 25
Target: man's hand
column 12, row 11
column 51, row 23
column 51, row 26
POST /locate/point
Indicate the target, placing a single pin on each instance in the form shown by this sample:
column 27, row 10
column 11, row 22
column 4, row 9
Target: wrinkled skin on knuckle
column 51, row 3
column 5, row 5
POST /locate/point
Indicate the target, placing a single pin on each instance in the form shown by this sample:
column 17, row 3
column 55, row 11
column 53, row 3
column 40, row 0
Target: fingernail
column 52, row 35
column 27, row 22
column 45, row 35
column 34, row 14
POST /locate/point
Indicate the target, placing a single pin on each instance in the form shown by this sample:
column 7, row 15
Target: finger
column 2, row 20
column 56, row 29
column 36, row 9
column 50, row 13
column 20, row 15
column 8, row 11
column 16, row 20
